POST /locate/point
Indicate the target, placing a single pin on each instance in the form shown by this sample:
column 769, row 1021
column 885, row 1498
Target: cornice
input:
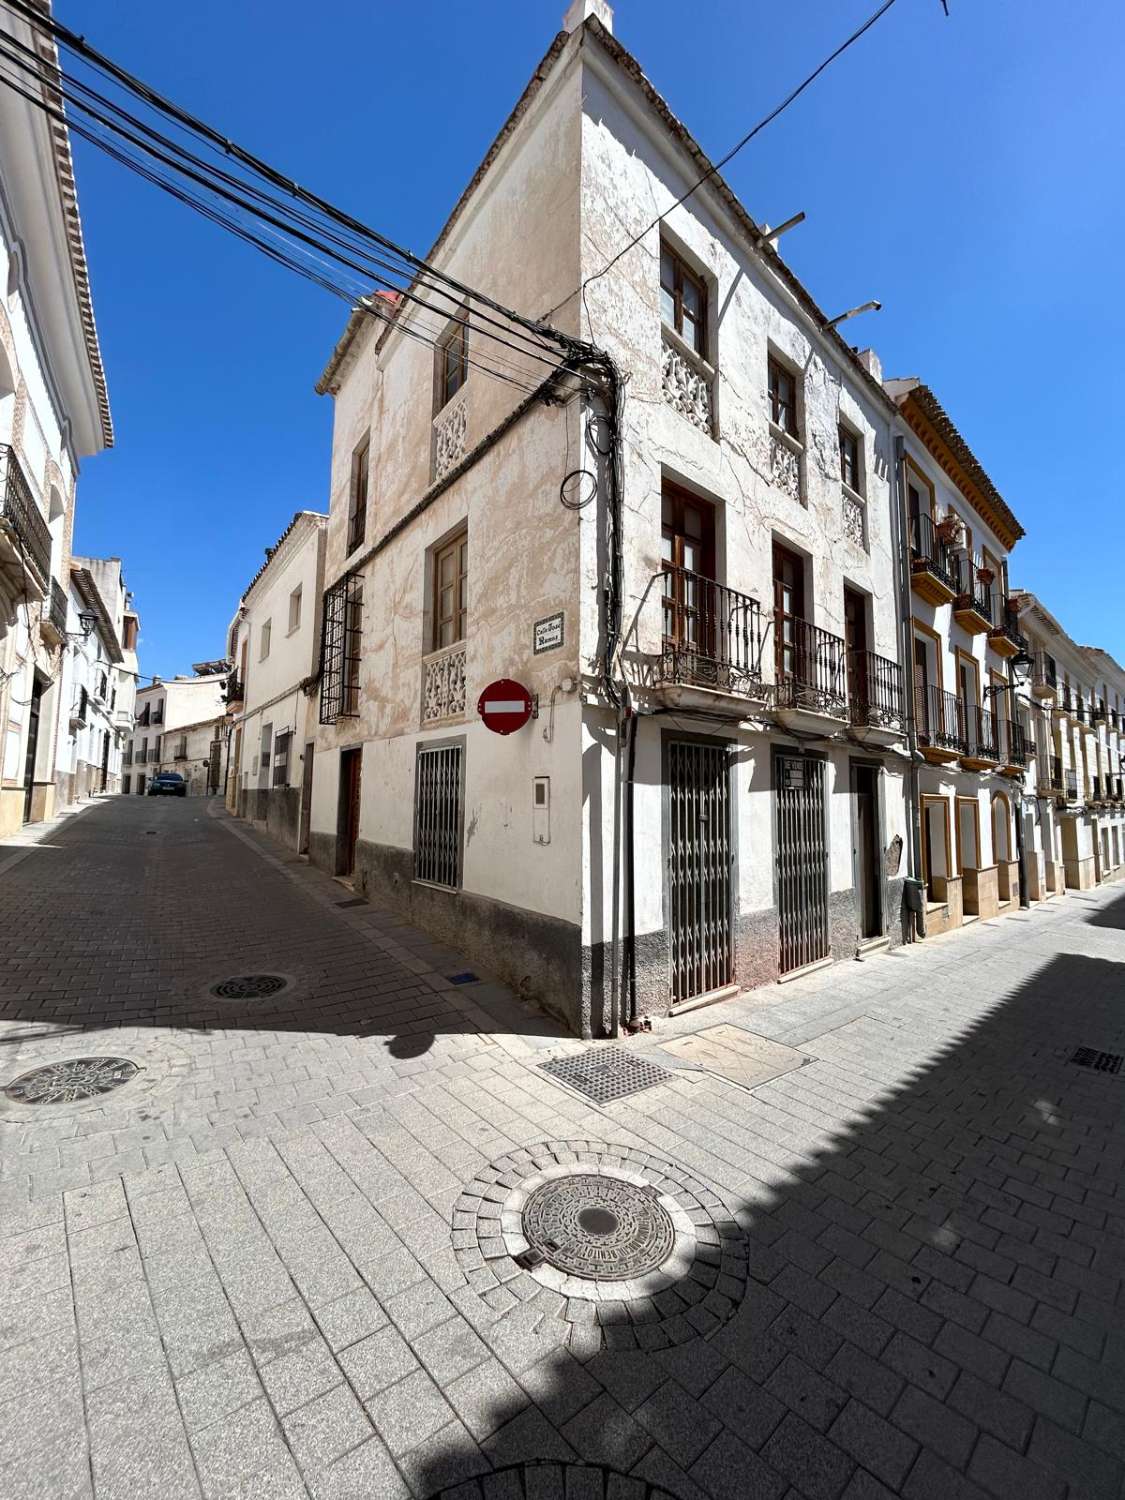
column 941, row 440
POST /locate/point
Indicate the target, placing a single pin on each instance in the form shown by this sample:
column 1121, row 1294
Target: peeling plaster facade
column 538, row 897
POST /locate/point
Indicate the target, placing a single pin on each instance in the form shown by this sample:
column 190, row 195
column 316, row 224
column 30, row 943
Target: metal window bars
column 875, row 694
column 941, row 719
column 438, row 815
column 340, row 649
column 810, row 666
column 982, row 735
column 1017, row 743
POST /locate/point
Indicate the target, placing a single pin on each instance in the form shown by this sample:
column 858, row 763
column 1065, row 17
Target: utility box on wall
column 541, row 809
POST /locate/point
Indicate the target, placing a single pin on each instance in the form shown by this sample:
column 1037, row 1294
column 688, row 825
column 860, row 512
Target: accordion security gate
column 437, row 820
column 802, row 862
column 700, row 861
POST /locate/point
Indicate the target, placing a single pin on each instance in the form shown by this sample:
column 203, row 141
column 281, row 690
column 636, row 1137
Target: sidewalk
column 867, row 1229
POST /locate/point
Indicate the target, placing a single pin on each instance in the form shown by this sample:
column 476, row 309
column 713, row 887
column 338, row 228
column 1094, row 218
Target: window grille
column 340, row 644
column 281, row 757
column 438, row 798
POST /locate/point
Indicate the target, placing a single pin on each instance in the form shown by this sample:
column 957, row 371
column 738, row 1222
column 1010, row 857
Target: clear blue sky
column 967, row 172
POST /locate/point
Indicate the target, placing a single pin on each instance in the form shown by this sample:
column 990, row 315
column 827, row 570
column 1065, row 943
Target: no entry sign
column 505, row 706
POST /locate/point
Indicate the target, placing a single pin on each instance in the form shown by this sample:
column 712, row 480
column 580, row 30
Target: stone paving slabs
column 286, row 1257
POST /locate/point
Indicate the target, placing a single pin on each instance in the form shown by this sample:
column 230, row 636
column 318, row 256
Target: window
column 451, row 591
column 341, row 640
column 281, row 757
column 83, row 700
column 181, row 748
column 438, row 815
column 357, row 500
column 264, row 646
column 143, row 755
column 849, row 460
column 103, row 686
column 126, row 784
column 683, row 301
column 295, row 609
column 783, row 397
column 452, row 361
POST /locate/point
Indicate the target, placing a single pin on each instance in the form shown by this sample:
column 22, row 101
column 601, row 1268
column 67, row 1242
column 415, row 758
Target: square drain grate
column 1101, row 1062
column 466, row 978
column 606, row 1073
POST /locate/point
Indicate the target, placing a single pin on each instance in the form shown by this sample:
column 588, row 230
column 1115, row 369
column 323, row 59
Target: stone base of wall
column 42, row 801
column 980, row 896
column 1079, row 874
column 11, row 809
column 1036, row 877
column 1055, row 876
column 1008, row 873
column 276, row 809
column 950, row 914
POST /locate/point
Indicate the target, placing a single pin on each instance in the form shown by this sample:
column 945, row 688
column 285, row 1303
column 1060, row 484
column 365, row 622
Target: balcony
column 1049, row 777
column 973, row 605
column 941, row 724
column 1044, row 677
column 711, row 643
column 52, row 625
column 1094, row 796
column 1015, row 748
column 25, row 541
column 982, row 749
column 1070, row 789
column 811, row 684
column 876, row 705
column 443, row 684
column 234, row 690
column 1098, row 714
column 1005, row 637
column 935, row 569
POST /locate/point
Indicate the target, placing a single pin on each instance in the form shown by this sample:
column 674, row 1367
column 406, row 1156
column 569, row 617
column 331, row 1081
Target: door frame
column 730, row 747
column 304, row 826
column 342, row 804
column 855, row 763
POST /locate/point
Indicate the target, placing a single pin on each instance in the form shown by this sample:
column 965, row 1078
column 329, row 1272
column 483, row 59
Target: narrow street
column 866, row 1235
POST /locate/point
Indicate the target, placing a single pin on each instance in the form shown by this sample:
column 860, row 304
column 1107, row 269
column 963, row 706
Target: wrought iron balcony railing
column 981, row 733
column 975, row 592
column 941, row 719
column 875, row 694
column 1071, row 787
column 234, row 690
column 1098, row 714
column 19, row 510
column 810, row 664
column 1043, row 671
column 1057, row 772
column 930, row 554
column 1006, row 626
column 1017, row 744
column 711, row 634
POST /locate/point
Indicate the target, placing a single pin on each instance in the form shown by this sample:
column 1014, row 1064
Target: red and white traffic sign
column 505, row 706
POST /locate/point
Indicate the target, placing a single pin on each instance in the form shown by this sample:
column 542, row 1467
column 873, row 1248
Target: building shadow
column 933, row 1304
column 1110, row 915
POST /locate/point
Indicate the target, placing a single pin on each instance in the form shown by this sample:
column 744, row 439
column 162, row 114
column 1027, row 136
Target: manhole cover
column 249, row 987
column 600, row 1227
column 606, row 1073
column 71, row 1081
column 1101, row 1062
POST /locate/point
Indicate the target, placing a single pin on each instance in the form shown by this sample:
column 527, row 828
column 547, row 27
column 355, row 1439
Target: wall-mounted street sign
column 505, row 706
column 547, row 634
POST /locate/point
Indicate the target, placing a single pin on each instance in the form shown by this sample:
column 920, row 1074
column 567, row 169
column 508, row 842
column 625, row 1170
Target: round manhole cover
column 71, row 1081
column 249, row 987
column 598, row 1227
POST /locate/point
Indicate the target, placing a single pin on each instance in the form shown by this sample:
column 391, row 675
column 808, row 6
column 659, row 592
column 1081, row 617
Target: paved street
column 279, row 1259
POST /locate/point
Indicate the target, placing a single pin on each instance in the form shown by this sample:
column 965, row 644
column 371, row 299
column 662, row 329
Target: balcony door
column 922, row 691
column 855, row 640
column 789, row 612
column 687, row 555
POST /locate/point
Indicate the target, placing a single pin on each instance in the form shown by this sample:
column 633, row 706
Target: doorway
column 103, row 774
column 802, row 862
column 32, row 747
column 347, row 829
column 789, row 615
column 700, row 860
column 306, row 801
column 867, row 852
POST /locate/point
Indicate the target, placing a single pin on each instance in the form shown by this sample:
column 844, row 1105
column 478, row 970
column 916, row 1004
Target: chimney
column 581, row 11
column 871, row 363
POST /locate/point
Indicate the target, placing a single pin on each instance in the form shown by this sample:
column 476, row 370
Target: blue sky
column 966, row 172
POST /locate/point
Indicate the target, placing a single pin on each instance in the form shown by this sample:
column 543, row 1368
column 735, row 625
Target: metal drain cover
column 598, row 1227
column 249, row 987
column 71, row 1081
column 1101, row 1062
column 606, row 1073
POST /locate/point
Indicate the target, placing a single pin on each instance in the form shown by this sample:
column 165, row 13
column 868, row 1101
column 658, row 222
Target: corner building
column 712, row 792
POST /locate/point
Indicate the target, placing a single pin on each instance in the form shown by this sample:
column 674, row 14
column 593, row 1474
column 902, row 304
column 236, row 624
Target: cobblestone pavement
column 279, row 1260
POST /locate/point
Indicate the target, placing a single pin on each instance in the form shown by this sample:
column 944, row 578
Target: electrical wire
column 789, row 99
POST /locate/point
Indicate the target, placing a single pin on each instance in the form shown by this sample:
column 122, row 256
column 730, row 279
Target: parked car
column 167, row 784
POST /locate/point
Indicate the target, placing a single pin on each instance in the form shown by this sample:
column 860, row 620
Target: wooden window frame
column 296, row 596
column 459, row 615
column 683, row 273
column 849, row 435
column 776, row 371
column 265, row 640
column 451, row 360
column 359, row 485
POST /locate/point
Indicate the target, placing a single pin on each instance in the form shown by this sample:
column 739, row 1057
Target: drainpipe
column 913, row 798
column 1021, row 857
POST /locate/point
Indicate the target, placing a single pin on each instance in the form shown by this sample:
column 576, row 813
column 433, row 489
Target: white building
column 178, row 727
column 98, row 682
column 274, row 641
column 712, row 793
column 1075, row 805
column 54, row 411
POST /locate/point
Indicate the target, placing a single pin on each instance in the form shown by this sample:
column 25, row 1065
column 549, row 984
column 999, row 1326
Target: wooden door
column 687, row 556
column 855, row 640
column 32, row 747
column 306, row 800
column 789, row 611
column 348, row 831
column 867, row 853
column 921, row 690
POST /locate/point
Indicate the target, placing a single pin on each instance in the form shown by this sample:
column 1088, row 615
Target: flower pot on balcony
column 951, row 531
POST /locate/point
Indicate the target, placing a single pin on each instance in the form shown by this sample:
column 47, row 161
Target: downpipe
column 917, row 928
